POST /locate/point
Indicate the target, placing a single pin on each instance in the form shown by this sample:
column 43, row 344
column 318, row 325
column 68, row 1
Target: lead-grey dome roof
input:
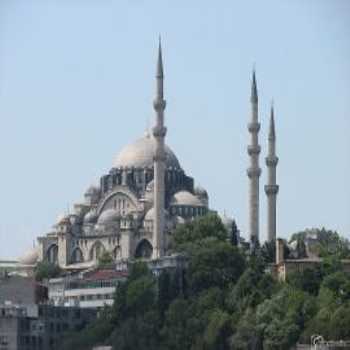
column 139, row 154
column 186, row 198
column 108, row 216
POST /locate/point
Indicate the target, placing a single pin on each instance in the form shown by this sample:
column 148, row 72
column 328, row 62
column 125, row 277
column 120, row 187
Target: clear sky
column 77, row 82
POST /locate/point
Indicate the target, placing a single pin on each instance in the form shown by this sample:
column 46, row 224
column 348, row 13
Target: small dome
column 186, row 198
column 150, row 214
column 90, row 217
column 201, row 192
column 226, row 220
column 30, row 257
column 92, row 190
column 140, row 153
column 108, row 216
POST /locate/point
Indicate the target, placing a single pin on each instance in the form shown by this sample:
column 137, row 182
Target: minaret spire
column 254, row 170
column 160, row 73
column 271, row 189
column 254, row 90
column 159, row 132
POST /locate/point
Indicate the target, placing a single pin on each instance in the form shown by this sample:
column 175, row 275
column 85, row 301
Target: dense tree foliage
column 105, row 259
column 224, row 300
column 45, row 270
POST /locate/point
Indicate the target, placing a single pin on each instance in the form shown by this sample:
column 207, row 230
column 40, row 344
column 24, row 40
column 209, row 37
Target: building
column 21, row 290
column 285, row 267
column 95, row 288
column 146, row 193
column 14, row 267
column 92, row 289
column 39, row 327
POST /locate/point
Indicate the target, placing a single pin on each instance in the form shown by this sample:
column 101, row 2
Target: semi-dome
column 92, row 190
column 30, row 257
column 186, row 198
column 150, row 214
column 108, row 216
column 90, row 217
column 140, row 153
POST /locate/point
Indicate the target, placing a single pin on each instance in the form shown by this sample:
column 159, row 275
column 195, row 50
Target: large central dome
column 139, row 154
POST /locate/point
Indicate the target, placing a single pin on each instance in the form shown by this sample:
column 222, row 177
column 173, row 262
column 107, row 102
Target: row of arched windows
column 144, row 249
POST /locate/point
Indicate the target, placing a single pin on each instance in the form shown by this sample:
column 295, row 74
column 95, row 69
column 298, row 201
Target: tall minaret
column 159, row 132
column 254, row 170
column 271, row 188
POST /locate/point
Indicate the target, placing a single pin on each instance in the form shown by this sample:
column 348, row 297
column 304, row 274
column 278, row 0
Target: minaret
column 159, row 132
column 271, row 189
column 254, row 170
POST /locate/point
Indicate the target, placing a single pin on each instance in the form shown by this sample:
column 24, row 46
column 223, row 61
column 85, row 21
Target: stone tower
column 159, row 132
column 254, row 170
column 271, row 189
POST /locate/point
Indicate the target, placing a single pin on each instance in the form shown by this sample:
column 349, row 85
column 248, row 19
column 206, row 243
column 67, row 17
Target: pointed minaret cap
column 254, row 92
column 159, row 73
column 272, row 133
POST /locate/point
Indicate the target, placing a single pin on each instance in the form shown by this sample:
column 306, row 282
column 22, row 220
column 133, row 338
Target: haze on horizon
column 77, row 84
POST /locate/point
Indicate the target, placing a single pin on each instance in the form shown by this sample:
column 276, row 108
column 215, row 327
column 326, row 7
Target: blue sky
column 77, row 82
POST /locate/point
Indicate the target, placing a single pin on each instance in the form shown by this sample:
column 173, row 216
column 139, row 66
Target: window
column 4, row 340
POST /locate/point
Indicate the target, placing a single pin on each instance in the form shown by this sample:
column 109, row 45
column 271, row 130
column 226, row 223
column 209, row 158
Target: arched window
column 144, row 249
column 52, row 254
column 77, row 256
column 96, row 250
column 117, row 253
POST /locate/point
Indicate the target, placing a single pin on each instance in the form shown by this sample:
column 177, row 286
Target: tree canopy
column 223, row 300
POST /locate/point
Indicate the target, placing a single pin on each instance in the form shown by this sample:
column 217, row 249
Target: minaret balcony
column 254, row 150
column 271, row 189
column 159, row 131
column 253, row 172
column 159, row 104
column 254, row 127
column 271, row 161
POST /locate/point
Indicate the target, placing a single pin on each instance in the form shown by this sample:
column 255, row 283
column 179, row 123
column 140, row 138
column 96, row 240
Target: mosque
column 145, row 195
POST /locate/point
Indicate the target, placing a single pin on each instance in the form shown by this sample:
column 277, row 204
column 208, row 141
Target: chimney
column 279, row 250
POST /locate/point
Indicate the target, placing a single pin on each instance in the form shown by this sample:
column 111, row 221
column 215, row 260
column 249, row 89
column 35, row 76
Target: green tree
column 94, row 334
column 268, row 252
column 282, row 318
column 247, row 335
column 234, row 234
column 105, row 259
column 46, row 270
column 203, row 227
column 308, row 280
column 214, row 264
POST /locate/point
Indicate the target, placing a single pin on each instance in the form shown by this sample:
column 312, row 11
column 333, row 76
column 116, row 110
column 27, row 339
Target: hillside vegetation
column 224, row 300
